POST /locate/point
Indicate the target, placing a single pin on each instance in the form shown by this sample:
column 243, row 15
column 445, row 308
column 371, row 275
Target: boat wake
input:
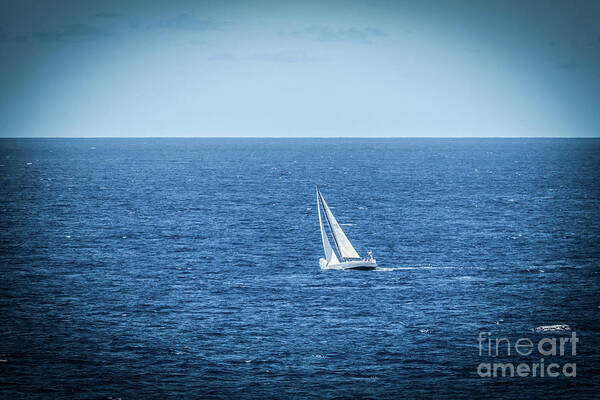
column 405, row 268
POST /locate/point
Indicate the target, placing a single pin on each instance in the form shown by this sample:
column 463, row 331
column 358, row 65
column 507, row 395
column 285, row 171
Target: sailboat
column 345, row 251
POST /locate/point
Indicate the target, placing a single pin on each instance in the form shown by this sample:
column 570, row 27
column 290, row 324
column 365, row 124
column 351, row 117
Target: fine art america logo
column 550, row 347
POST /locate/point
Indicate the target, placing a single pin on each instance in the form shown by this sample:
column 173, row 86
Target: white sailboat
column 345, row 251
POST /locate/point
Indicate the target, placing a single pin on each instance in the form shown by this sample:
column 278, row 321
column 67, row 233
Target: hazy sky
column 278, row 68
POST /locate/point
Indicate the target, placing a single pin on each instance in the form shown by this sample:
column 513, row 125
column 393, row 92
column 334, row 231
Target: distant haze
column 304, row 68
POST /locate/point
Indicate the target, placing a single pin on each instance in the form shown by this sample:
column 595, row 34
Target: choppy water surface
column 189, row 267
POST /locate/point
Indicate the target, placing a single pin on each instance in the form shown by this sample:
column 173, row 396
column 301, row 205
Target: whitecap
column 553, row 328
column 464, row 278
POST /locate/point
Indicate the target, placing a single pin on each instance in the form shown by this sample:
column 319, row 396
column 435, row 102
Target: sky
column 300, row 69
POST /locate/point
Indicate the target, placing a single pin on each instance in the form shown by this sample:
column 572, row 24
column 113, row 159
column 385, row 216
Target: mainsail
column 329, row 253
column 342, row 243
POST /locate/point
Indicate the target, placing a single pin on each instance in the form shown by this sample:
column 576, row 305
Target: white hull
column 371, row 264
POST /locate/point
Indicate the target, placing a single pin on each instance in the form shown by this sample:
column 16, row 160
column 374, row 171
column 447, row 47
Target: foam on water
column 553, row 328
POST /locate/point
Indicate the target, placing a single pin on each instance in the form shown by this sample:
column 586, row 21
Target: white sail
column 342, row 243
column 329, row 253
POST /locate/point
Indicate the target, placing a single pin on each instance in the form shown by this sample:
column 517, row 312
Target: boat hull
column 356, row 265
column 363, row 267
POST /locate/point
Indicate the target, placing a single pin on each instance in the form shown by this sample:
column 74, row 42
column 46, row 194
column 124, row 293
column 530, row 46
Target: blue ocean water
column 141, row 268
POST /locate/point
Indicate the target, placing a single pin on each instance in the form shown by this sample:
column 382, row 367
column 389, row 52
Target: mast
column 337, row 246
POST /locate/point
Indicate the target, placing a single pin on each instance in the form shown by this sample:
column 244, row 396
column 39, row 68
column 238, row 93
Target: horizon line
column 300, row 137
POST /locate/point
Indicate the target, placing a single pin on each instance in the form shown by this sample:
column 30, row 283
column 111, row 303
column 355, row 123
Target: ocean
column 153, row 268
